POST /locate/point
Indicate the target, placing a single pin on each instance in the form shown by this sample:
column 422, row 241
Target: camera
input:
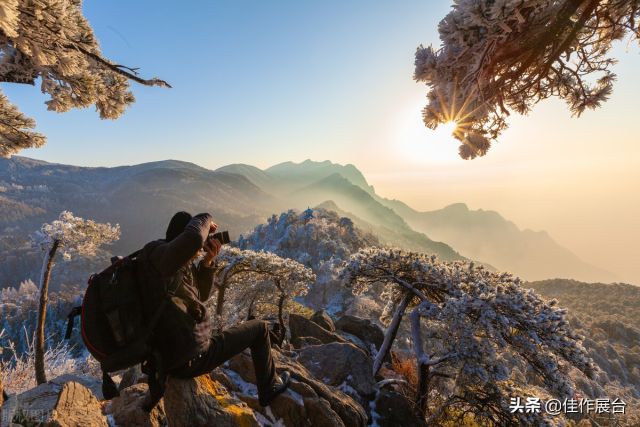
column 221, row 236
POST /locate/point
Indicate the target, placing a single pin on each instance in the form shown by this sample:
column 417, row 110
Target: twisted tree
column 470, row 328
column 51, row 40
column 70, row 236
column 498, row 56
column 258, row 277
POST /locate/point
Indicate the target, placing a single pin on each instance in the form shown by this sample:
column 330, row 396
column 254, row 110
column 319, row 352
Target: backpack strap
column 109, row 389
column 75, row 311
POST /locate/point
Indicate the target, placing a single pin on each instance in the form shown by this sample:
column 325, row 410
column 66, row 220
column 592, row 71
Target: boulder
column 321, row 318
column 126, row 409
column 366, row 330
column 201, row 402
column 300, row 342
column 393, row 409
column 50, row 404
column 342, row 365
column 300, row 327
column 93, row 384
column 348, row 410
column 304, row 391
column 132, row 376
column 319, row 410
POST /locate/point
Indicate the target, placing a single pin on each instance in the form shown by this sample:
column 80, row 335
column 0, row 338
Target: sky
column 264, row 82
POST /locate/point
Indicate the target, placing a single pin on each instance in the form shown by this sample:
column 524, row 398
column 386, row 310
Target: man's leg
column 253, row 334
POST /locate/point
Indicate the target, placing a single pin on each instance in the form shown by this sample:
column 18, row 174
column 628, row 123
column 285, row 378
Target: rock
column 243, row 366
column 302, row 327
column 350, row 412
column 93, row 384
column 50, row 404
column 132, row 376
column 392, row 409
column 364, row 329
column 321, row 318
column 296, row 409
column 201, row 402
column 126, row 409
column 300, row 342
column 303, row 384
column 319, row 410
column 342, row 365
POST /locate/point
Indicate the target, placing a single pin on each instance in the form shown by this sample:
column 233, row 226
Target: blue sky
column 261, row 82
column 257, row 82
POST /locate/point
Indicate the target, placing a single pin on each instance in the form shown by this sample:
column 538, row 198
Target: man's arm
column 167, row 258
column 204, row 277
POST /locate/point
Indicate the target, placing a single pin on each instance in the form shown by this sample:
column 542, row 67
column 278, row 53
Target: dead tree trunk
column 392, row 331
column 47, row 264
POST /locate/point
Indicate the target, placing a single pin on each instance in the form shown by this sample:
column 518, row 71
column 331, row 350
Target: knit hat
column 177, row 225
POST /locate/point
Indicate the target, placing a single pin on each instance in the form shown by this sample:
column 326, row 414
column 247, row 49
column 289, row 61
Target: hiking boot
column 279, row 385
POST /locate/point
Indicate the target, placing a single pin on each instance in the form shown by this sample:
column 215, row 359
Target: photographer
column 184, row 334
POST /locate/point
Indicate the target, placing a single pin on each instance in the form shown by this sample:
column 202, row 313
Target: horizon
column 265, row 84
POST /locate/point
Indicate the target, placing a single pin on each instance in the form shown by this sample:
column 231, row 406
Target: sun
column 448, row 127
column 417, row 144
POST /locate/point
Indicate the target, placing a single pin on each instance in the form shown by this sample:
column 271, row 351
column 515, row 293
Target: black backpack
column 114, row 328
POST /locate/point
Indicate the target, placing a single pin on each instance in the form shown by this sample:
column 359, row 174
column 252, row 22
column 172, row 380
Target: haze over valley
column 143, row 197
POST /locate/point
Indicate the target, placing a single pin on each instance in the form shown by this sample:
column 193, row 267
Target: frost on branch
column 471, row 328
column 247, row 279
column 498, row 56
column 51, row 40
column 75, row 235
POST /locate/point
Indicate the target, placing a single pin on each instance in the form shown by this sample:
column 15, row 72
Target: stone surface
column 366, row 330
column 303, row 386
column 300, row 327
column 300, row 342
column 321, row 318
column 319, row 410
column 132, row 376
column 342, row 365
column 126, row 409
column 350, row 412
column 70, row 404
column 201, row 402
column 393, row 409
column 93, row 384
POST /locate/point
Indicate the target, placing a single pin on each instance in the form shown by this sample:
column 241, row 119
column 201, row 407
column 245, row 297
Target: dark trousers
column 253, row 334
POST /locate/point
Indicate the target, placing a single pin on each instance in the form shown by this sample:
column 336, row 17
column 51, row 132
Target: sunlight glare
column 418, row 144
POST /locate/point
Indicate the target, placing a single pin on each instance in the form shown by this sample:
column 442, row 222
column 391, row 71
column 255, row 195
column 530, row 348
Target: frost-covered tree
column 258, row 277
column 498, row 56
column 319, row 239
column 69, row 235
column 470, row 327
column 51, row 40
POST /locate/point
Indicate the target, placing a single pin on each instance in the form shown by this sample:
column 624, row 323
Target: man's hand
column 211, row 247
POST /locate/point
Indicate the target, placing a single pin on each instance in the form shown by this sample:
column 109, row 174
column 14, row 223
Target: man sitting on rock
column 184, row 337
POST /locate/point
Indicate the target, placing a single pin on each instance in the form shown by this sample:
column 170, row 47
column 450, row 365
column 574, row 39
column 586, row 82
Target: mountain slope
column 487, row 236
column 301, row 174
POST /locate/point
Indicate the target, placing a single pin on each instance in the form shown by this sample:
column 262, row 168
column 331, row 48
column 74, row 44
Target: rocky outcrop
column 342, row 365
column 321, row 318
column 308, row 402
column 202, row 402
column 70, row 404
column 126, row 409
column 367, row 331
column 300, row 327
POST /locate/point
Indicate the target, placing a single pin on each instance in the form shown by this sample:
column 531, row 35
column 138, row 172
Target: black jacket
column 184, row 331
